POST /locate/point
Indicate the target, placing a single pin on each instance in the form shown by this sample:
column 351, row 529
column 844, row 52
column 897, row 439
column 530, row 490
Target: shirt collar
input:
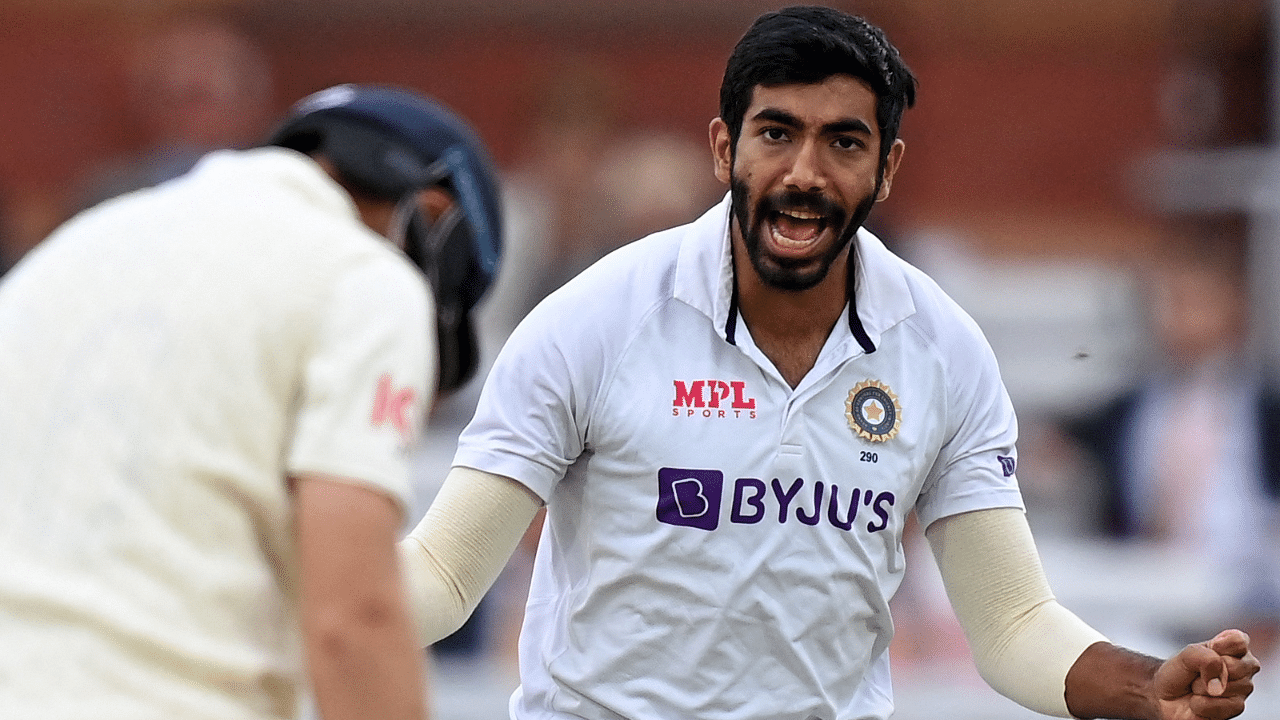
column 289, row 168
column 704, row 280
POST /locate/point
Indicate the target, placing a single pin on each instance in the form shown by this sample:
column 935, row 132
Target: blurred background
column 1092, row 179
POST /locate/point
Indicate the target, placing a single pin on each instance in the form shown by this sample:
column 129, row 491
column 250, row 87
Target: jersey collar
column 288, row 168
column 704, row 280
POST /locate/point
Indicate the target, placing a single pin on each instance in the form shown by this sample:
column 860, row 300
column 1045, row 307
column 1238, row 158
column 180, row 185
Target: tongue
column 795, row 229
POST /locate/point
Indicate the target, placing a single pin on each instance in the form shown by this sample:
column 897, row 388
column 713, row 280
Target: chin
column 775, row 274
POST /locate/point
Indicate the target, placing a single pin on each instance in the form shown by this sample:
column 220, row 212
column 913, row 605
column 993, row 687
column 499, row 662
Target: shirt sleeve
column 975, row 468
column 368, row 379
column 530, row 422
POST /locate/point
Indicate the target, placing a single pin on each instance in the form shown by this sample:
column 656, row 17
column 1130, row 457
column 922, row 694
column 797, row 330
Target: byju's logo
column 690, row 497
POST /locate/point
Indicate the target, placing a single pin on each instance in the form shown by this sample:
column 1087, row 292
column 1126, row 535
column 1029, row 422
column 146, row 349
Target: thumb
column 1218, row 683
column 1213, row 671
column 1230, row 642
column 1179, row 674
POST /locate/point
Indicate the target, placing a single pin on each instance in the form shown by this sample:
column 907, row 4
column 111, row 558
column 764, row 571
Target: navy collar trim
column 855, row 322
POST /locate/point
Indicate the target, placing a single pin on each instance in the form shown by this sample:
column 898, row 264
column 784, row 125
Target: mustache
column 798, row 200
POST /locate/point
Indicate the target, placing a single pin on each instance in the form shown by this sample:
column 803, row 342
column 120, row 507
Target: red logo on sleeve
column 392, row 406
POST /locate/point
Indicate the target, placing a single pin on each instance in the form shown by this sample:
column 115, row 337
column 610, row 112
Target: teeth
column 802, row 214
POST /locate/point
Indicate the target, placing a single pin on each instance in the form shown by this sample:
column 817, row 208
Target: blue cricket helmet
column 391, row 143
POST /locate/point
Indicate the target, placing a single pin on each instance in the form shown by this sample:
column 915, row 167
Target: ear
column 721, row 150
column 890, row 167
column 434, row 201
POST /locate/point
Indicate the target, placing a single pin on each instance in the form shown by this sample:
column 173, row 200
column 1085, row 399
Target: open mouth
column 794, row 231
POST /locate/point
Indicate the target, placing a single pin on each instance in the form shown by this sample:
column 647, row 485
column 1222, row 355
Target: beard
column 793, row 274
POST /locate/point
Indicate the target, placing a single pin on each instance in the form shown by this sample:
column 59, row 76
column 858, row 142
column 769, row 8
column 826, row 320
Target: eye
column 848, row 142
column 775, row 134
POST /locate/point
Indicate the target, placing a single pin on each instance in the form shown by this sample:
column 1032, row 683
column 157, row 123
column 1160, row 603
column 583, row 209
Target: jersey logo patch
column 690, row 498
column 713, row 399
column 696, row 498
column 873, row 411
column 1007, row 464
column 392, row 406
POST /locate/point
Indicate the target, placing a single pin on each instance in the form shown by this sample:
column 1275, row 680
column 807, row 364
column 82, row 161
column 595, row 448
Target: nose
column 805, row 173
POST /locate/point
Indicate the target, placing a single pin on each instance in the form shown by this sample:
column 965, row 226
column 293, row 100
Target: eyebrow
column 782, row 117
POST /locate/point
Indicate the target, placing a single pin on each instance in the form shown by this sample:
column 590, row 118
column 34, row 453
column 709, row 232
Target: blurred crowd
column 194, row 84
column 1153, row 488
column 1169, row 478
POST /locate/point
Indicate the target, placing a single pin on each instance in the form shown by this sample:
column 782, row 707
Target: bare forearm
column 366, row 666
column 1107, row 681
column 352, row 604
column 1208, row 680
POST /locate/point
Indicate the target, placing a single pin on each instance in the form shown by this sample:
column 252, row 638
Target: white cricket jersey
column 719, row 545
column 168, row 360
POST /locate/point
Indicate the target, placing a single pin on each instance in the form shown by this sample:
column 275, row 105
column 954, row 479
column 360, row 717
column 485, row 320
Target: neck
column 787, row 313
column 789, row 327
column 378, row 214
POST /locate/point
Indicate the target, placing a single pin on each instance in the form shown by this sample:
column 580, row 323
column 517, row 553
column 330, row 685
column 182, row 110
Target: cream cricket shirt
column 719, row 545
column 166, row 361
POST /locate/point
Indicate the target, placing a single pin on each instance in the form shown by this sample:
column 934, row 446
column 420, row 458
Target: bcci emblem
column 873, row 411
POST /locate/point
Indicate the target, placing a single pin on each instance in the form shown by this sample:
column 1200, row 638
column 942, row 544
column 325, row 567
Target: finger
column 1236, row 687
column 1245, row 667
column 1230, row 642
column 1216, row 708
column 1193, row 663
column 1217, row 685
column 1204, row 666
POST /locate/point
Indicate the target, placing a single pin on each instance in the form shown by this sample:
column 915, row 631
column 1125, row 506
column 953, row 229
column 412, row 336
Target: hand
column 1208, row 680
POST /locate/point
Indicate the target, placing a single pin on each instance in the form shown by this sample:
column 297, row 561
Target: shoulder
column 581, row 330
column 277, row 227
column 938, row 319
column 633, row 270
column 284, row 202
column 620, row 289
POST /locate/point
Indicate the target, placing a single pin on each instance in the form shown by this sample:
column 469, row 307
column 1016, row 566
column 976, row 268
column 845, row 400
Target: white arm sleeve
column 1022, row 640
column 461, row 545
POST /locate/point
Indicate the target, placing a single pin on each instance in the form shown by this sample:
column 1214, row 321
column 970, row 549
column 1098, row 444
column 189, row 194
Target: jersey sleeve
column 974, row 469
column 368, row 379
column 530, row 422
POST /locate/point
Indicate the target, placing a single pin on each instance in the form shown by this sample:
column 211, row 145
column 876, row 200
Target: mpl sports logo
column 713, row 399
column 695, row 498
